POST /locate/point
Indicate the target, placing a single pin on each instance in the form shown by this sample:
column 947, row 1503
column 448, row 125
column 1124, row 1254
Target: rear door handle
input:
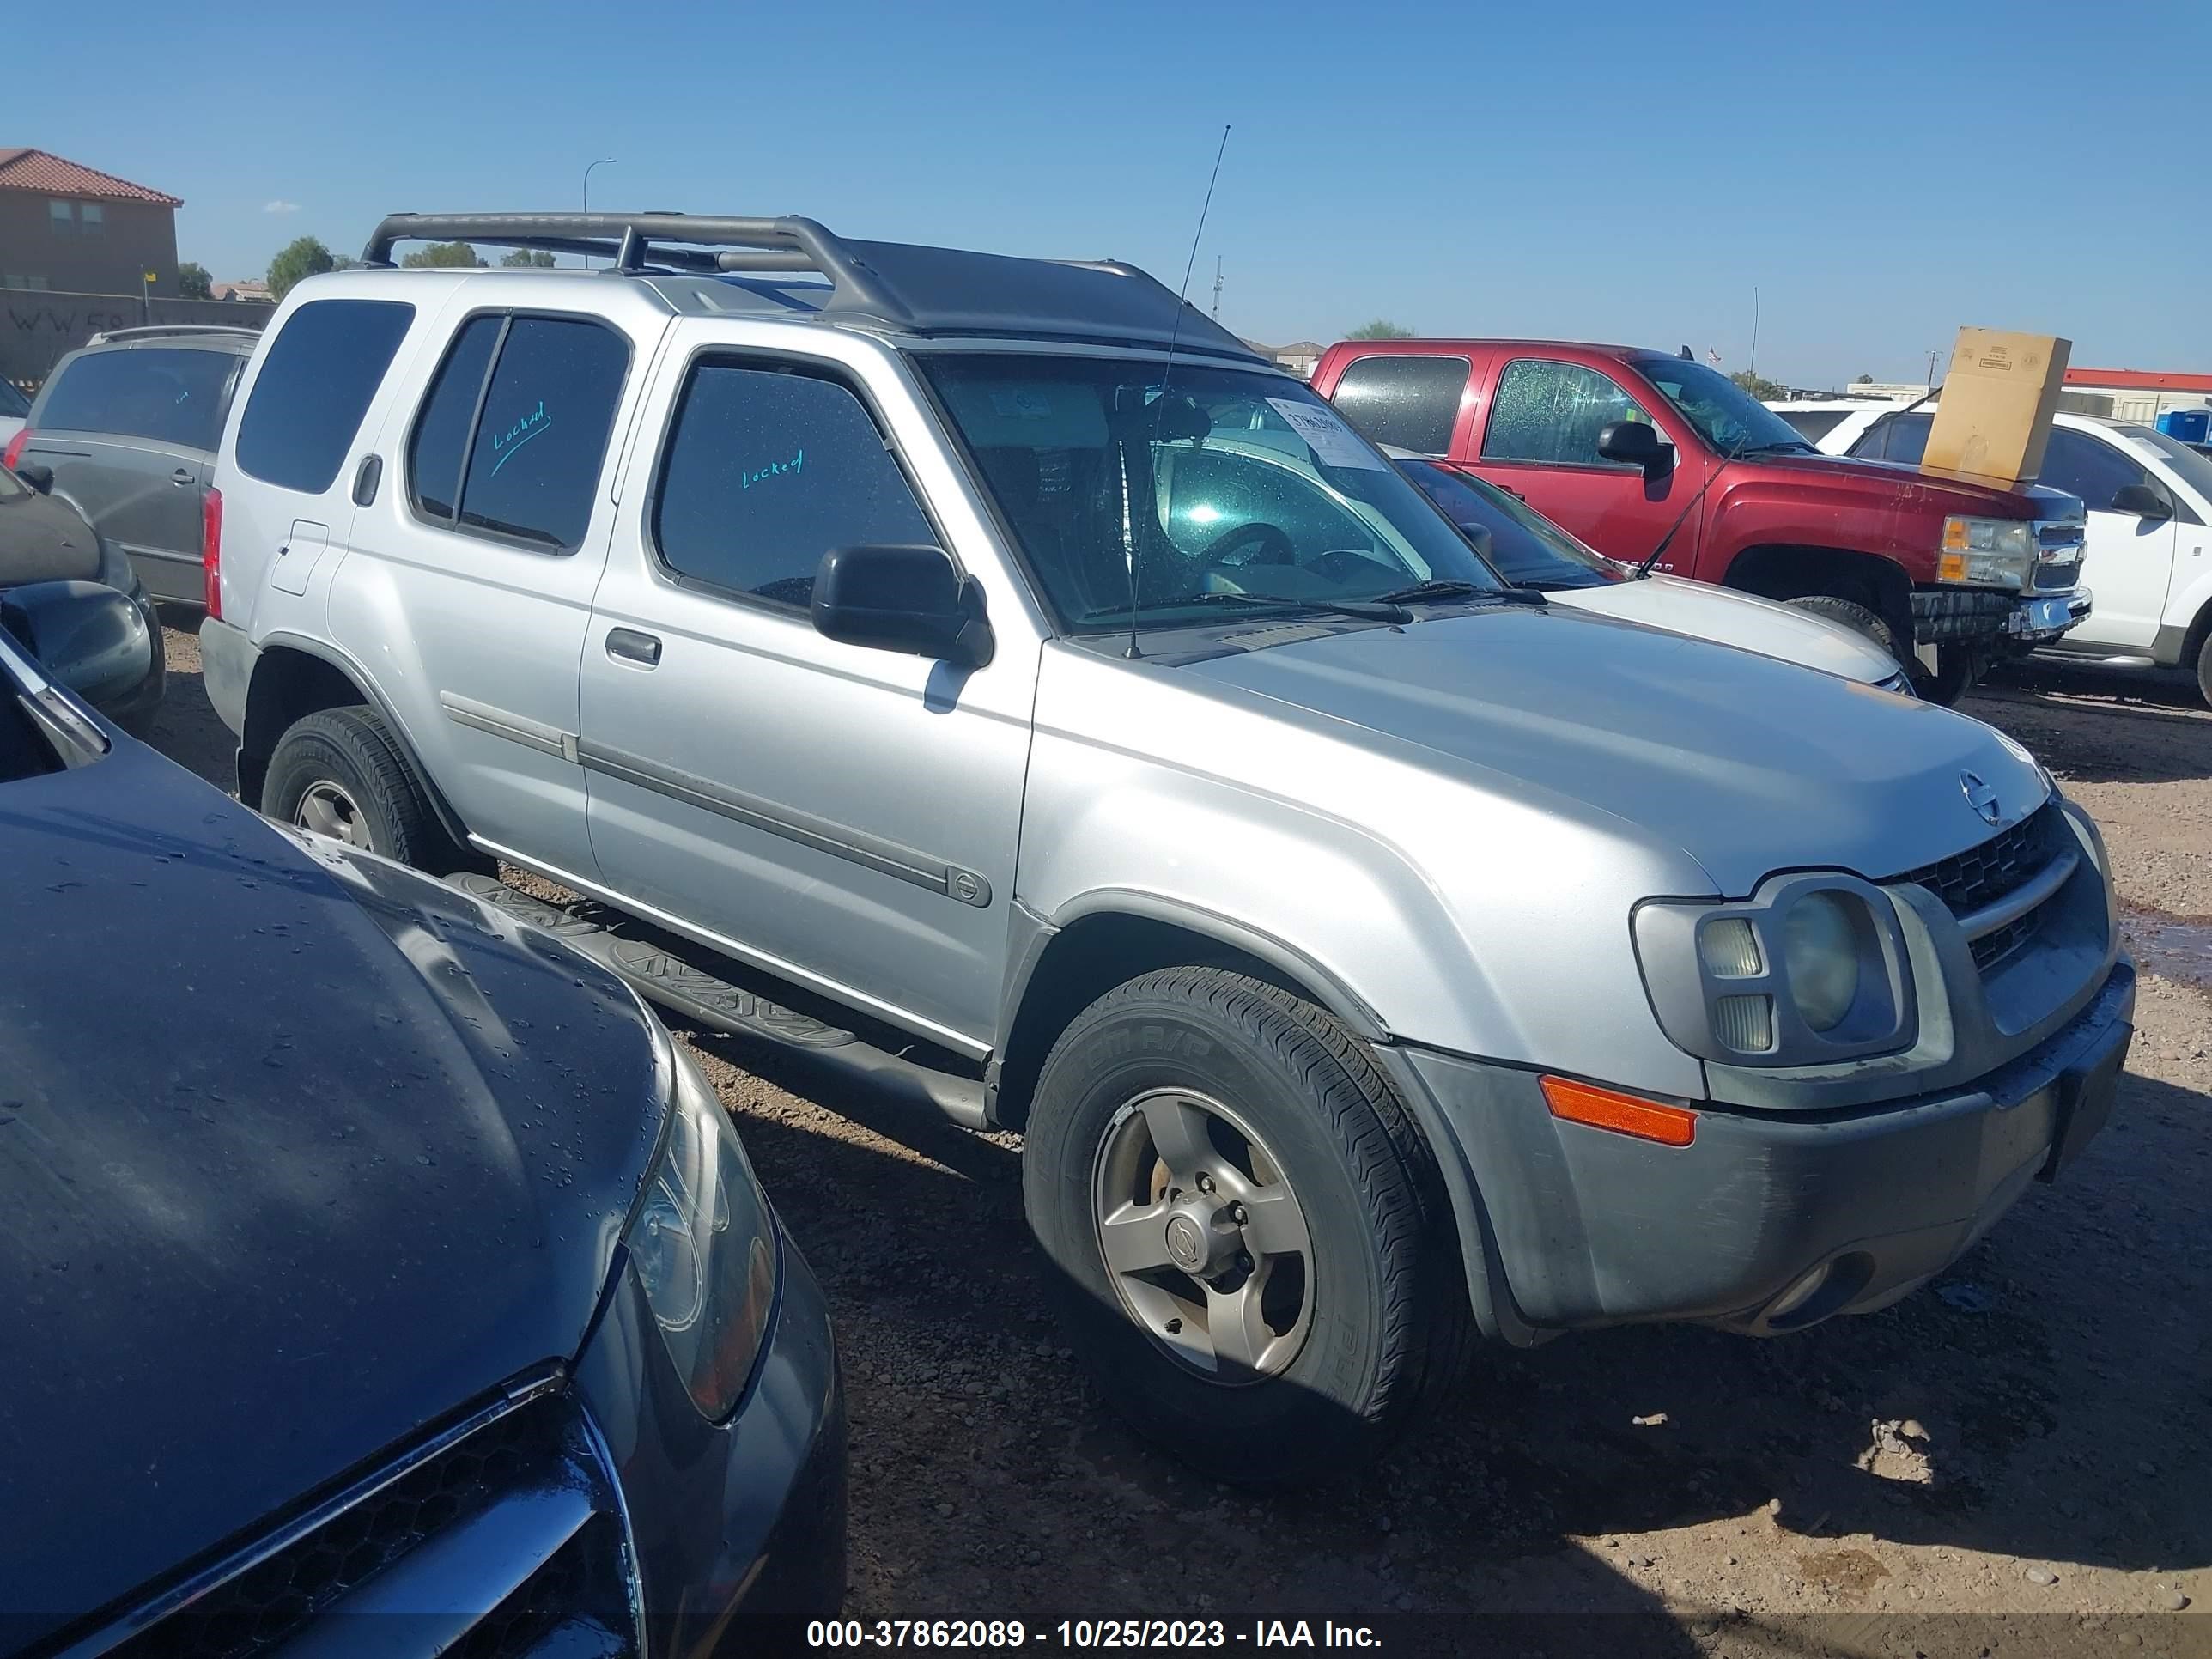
column 627, row 644
column 184, row 475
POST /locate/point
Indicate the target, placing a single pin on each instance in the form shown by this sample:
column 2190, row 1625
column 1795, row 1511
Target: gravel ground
column 2013, row 1462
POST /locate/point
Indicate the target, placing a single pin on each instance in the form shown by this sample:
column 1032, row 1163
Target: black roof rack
column 907, row 286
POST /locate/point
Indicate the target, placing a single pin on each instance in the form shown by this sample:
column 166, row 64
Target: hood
column 1745, row 764
column 1957, row 491
column 299, row 1153
column 45, row 540
column 1721, row 614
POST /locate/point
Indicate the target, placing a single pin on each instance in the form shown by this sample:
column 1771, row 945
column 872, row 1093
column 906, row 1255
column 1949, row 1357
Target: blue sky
column 1880, row 174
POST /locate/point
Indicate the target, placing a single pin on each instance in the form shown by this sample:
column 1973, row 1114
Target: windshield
column 2188, row 463
column 1726, row 416
column 1231, row 487
column 13, row 402
column 1526, row 547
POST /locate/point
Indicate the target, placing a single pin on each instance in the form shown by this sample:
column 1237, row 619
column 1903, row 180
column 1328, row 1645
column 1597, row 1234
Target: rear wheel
column 2204, row 668
column 1957, row 669
column 1248, row 1240
column 339, row 773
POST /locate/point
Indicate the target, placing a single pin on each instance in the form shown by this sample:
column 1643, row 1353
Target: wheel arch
column 1061, row 966
column 293, row 678
column 1795, row 570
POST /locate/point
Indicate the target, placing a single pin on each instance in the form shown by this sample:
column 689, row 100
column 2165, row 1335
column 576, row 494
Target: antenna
column 1216, row 287
column 1167, row 374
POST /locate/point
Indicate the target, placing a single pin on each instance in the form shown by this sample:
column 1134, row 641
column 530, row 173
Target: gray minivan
column 129, row 423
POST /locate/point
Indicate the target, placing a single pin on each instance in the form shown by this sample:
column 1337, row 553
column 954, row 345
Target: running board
column 698, row 995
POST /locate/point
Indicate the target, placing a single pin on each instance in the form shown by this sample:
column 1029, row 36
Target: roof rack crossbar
column 635, row 241
column 148, row 331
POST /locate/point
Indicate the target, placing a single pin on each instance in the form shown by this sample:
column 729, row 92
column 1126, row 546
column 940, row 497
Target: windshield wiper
column 1770, row 448
column 1381, row 609
column 1444, row 588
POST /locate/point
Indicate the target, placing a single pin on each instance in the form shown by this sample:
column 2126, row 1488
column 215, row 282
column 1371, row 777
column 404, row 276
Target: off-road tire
column 1390, row 1332
column 1867, row 623
column 351, row 747
column 1955, row 675
column 2204, row 668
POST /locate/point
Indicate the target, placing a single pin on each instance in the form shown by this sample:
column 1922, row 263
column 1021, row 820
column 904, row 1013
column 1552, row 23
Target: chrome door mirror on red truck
column 1636, row 443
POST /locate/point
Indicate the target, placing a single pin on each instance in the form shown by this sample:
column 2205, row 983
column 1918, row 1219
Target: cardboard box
column 1993, row 419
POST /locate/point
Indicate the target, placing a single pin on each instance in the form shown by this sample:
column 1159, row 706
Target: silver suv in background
column 1107, row 742
column 128, row 424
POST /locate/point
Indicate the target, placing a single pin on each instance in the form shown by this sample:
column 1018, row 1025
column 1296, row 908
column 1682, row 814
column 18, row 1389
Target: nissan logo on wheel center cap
column 1980, row 797
column 1185, row 1243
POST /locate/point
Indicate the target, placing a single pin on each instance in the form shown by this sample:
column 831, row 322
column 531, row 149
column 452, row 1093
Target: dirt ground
column 2015, row 1460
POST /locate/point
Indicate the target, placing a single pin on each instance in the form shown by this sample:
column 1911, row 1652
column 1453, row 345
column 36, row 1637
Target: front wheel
column 1246, row 1233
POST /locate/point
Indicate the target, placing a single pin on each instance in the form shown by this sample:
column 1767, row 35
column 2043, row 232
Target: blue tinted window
column 541, row 440
column 441, row 431
column 769, row 470
column 313, row 388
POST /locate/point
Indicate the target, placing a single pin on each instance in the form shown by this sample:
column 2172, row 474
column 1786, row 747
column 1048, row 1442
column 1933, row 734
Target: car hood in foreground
column 300, row 1152
column 1745, row 764
column 45, row 540
column 1749, row 624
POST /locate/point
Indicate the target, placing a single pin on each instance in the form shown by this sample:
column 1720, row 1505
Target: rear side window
column 168, row 395
column 767, row 470
column 314, row 386
column 519, row 455
column 1410, row 402
column 2092, row 469
column 1899, row 438
column 1552, row 412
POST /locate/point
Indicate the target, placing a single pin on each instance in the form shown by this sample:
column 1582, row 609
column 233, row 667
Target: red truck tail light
column 211, row 550
column 15, row 450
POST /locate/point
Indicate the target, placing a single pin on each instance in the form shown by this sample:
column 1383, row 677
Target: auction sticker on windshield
column 1334, row 443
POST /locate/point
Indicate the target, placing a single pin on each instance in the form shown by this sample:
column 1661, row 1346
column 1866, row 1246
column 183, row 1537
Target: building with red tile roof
column 67, row 227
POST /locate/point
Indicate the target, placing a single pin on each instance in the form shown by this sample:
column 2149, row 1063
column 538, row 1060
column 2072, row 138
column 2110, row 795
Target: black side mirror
column 2144, row 500
column 38, row 475
column 91, row 638
column 1635, row 443
column 900, row 597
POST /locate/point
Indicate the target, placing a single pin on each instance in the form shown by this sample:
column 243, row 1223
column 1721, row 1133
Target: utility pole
column 604, row 162
column 1932, row 357
column 1216, row 287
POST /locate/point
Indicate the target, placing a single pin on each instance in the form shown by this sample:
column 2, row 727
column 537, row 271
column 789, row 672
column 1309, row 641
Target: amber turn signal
column 1625, row 1115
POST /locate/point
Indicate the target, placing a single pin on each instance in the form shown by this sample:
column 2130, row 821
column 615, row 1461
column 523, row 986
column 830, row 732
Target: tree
column 298, row 260
column 1760, row 387
column 443, row 255
column 1381, row 329
column 1863, row 380
column 193, row 282
column 536, row 258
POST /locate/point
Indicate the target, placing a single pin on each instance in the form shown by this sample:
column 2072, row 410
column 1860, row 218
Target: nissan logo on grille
column 1980, row 797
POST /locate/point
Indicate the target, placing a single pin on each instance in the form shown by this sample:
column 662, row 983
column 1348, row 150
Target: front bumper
column 228, row 656
column 1584, row 1227
column 1957, row 615
column 737, row 1529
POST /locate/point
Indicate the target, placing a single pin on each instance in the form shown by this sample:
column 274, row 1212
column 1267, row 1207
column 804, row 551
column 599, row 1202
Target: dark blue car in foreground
column 384, row 1278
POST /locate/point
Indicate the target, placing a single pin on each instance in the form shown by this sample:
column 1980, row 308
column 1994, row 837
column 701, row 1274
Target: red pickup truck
column 1639, row 452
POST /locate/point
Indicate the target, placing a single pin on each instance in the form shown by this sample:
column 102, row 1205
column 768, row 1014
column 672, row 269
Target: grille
column 1980, row 876
column 259, row 1609
column 2056, row 578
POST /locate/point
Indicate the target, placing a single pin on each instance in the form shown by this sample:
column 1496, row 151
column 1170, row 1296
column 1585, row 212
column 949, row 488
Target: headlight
column 1811, row 970
column 1821, row 958
column 703, row 1245
column 1986, row 552
column 116, row 570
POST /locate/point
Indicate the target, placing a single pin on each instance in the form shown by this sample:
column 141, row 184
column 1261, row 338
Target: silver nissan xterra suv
column 988, row 676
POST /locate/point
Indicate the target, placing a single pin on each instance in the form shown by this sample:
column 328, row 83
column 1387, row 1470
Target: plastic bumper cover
column 736, row 1529
column 227, row 661
column 1766, row 1222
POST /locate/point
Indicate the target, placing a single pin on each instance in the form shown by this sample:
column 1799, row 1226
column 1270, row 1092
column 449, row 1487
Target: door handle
column 627, row 644
column 183, row 475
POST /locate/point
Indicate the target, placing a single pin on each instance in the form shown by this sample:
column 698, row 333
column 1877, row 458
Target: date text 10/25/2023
column 1084, row 1634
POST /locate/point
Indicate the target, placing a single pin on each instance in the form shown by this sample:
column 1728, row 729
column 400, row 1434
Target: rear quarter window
column 1410, row 402
column 172, row 396
column 313, row 388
